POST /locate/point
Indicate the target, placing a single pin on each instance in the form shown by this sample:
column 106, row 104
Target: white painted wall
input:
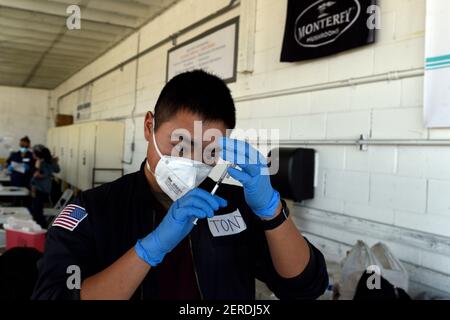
column 397, row 194
column 23, row 112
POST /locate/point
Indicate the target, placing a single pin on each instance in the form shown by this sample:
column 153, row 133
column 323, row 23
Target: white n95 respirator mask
column 176, row 176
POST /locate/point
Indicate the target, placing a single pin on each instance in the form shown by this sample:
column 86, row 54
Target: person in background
column 41, row 182
column 25, row 157
column 55, row 163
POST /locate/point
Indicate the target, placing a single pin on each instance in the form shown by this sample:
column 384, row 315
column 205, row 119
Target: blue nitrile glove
column 177, row 224
column 254, row 176
column 26, row 166
column 10, row 168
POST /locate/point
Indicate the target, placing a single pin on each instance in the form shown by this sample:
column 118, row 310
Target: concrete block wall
column 22, row 112
column 396, row 194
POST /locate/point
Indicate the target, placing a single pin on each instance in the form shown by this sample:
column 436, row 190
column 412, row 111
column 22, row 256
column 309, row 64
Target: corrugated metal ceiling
column 37, row 49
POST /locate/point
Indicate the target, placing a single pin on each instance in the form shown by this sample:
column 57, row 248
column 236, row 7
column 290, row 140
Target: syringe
column 216, row 186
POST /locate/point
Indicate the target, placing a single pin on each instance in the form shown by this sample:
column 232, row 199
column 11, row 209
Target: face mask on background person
column 177, row 175
column 23, row 150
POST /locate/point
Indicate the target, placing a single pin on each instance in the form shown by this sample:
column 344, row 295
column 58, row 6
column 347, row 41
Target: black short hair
column 197, row 92
column 42, row 152
column 25, row 139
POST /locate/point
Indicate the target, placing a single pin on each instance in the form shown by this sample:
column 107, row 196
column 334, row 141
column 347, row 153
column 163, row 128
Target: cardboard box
column 63, row 120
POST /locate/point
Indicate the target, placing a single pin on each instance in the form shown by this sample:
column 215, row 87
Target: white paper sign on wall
column 214, row 51
column 437, row 65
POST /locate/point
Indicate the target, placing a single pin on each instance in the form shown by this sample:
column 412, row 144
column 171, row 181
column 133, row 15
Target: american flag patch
column 70, row 217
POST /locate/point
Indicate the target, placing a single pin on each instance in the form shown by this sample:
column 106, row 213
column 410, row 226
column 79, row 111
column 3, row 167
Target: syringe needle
column 216, row 186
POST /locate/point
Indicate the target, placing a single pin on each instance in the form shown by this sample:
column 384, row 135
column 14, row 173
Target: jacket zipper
column 195, row 269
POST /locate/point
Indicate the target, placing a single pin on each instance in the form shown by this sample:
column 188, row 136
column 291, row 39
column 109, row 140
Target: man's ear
column 148, row 124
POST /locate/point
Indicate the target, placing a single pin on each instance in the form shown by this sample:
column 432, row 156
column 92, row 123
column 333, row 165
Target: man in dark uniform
column 136, row 237
column 24, row 157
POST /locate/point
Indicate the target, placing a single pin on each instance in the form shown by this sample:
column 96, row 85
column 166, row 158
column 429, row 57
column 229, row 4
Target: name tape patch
column 227, row 224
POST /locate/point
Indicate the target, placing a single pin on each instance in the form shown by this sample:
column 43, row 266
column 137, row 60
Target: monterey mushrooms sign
column 320, row 28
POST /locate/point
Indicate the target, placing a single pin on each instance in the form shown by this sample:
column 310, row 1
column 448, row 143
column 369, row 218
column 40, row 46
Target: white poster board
column 437, row 67
column 214, row 51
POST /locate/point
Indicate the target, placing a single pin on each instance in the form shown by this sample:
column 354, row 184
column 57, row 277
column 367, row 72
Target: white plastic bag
column 22, row 224
column 360, row 258
column 354, row 265
column 391, row 268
